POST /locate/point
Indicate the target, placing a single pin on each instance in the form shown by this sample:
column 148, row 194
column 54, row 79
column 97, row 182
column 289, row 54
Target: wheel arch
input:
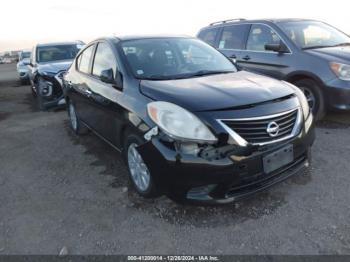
column 299, row 75
column 130, row 127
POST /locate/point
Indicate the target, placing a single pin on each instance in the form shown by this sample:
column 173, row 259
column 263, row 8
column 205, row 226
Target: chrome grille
column 255, row 130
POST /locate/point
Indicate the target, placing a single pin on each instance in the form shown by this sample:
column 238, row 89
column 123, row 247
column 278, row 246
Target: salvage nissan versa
column 188, row 123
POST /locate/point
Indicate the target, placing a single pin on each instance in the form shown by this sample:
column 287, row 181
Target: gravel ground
column 58, row 190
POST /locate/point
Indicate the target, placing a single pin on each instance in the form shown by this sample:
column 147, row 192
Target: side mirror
column 108, row 77
column 234, row 62
column 279, row 48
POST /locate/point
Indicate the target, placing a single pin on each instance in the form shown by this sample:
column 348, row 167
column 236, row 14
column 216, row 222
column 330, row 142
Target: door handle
column 246, row 58
column 233, row 56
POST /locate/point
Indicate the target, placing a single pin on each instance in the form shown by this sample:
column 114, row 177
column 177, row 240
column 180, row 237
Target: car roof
column 139, row 37
column 242, row 20
column 60, row 43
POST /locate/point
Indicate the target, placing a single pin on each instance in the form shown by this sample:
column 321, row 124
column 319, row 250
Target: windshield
column 25, row 55
column 55, row 53
column 173, row 58
column 313, row 34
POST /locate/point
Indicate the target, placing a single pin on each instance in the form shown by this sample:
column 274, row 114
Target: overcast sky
column 26, row 22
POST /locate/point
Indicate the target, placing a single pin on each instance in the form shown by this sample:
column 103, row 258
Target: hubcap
column 138, row 169
column 73, row 116
column 311, row 99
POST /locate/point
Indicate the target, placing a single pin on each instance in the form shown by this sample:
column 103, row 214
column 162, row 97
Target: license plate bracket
column 278, row 159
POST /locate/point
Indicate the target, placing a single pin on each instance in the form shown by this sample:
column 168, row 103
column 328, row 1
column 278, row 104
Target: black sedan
column 187, row 121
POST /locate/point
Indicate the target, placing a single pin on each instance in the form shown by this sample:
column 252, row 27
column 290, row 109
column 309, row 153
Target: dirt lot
column 58, row 190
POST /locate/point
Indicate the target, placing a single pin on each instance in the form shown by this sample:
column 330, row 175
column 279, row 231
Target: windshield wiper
column 342, row 44
column 325, row 46
column 209, row 72
column 316, row 46
column 163, row 77
column 156, row 77
column 187, row 75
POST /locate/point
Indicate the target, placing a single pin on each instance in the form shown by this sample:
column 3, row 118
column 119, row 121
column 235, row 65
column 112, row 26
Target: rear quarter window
column 83, row 61
column 233, row 37
column 209, row 35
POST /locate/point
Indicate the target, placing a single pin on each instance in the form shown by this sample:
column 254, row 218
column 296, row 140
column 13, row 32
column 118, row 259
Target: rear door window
column 233, row 37
column 209, row 35
column 83, row 62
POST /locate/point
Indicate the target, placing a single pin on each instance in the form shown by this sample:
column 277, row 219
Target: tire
column 33, row 92
column 75, row 123
column 41, row 102
column 143, row 183
column 314, row 95
column 39, row 97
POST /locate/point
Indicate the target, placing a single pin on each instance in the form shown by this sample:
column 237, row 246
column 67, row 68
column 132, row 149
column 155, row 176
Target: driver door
column 105, row 111
column 255, row 58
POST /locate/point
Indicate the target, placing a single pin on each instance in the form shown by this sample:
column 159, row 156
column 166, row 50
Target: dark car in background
column 309, row 54
column 47, row 65
column 187, row 122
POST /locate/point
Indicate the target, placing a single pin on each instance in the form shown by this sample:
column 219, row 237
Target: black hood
column 216, row 91
column 332, row 53
column 55, row 66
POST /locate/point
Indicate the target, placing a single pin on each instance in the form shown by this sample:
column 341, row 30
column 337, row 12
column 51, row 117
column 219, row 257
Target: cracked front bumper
column 222, row 179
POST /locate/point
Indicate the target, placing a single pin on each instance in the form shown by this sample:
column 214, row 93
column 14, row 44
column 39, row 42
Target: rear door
column 232, row 40
column 255, row 58
column 81, row 87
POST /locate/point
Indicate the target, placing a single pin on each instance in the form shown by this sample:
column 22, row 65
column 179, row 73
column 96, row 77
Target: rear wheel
column 77, row 126
column 314, row 96
column 139, row 173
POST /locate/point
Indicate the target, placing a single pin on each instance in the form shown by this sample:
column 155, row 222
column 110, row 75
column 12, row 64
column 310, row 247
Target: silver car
column 22, row 66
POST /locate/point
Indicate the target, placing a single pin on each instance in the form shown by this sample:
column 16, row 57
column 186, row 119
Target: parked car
column 309, row 54
column 187, row 122
column 22, row 66
column 7, row 60
column 48, row 63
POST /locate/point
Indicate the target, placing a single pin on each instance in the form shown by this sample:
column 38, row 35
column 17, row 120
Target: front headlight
column 341, row 70
column 178, row 123
column 303, row 102
column 302, row 99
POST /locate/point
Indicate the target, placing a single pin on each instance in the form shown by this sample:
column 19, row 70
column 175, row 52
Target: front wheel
column 140, row 175
column 40, row 86
column 314, row 96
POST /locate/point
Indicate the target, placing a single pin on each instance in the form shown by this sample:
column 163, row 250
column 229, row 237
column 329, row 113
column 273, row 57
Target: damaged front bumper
column 224, row 174
column 52, row 92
